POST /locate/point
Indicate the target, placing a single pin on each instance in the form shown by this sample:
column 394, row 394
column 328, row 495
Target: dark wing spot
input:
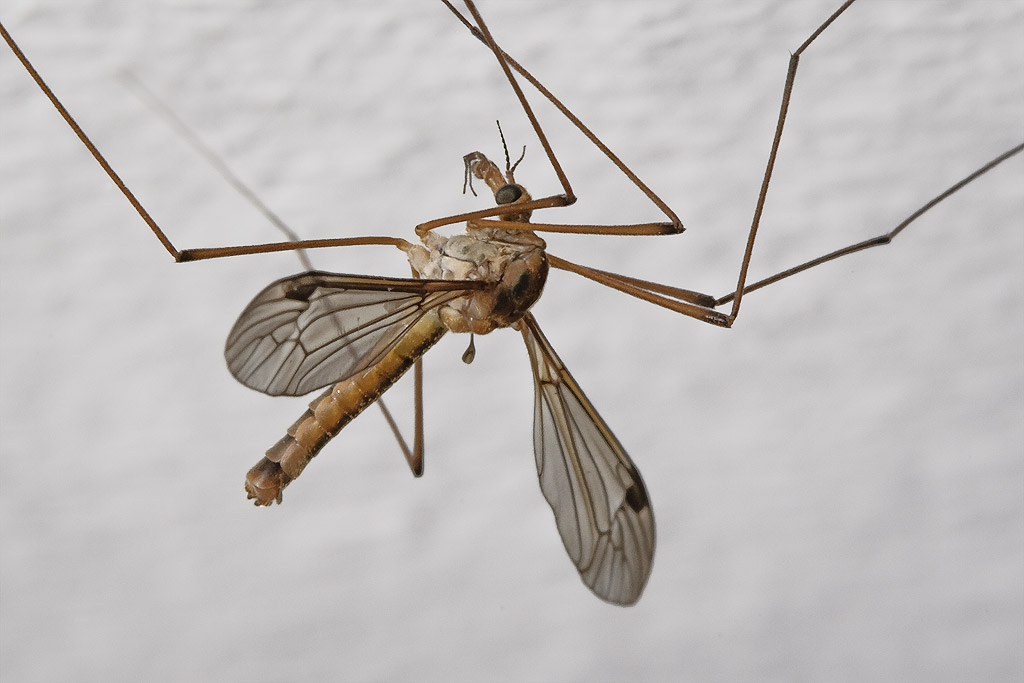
column 636, row 497
column 301, row 292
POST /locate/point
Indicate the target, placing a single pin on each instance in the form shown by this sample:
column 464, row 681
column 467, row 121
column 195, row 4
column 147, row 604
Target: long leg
column 483, row 34
column 787, row 92
column 687, row 302
column 414, row 455
column 567, row 197
column 702, row 306
column 507, row 60
column 185, row 255
column 182, row 255
column 878, row 241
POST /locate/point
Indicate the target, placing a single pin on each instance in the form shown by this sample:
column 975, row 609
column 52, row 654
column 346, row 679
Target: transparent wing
column 307, row 331
column 601, row 506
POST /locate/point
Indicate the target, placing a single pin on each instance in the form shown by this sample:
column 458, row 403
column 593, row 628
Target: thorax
column 514, row 261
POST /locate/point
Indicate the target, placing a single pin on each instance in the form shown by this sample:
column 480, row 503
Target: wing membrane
column 306, row 331
column 600, row 503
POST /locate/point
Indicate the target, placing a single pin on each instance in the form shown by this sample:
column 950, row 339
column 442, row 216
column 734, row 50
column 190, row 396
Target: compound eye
column 508, row 194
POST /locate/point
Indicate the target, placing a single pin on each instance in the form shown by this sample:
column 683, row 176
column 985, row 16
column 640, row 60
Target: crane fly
column 358, row 334
column 313, row 329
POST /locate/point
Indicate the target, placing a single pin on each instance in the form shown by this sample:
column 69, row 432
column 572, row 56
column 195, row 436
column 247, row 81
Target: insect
column 259, row 360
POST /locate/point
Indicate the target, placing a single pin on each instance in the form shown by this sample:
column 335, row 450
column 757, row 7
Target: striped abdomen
column 334, row 409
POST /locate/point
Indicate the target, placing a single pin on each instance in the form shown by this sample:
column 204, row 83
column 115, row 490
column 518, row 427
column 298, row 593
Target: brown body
column 334, row 409
column 513, row 263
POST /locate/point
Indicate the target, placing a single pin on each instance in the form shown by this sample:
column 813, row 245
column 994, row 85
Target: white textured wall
column 838, row 481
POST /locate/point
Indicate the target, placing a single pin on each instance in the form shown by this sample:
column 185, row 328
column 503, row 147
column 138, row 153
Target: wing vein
column 601, row 507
